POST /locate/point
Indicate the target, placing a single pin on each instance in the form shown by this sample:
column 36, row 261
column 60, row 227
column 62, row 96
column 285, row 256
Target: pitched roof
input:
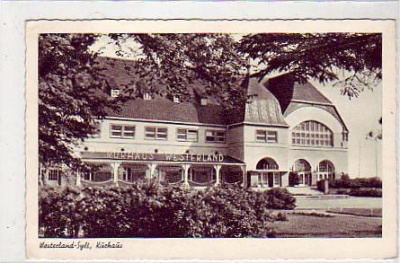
column 166, row 110
column 120, row 73
column 269, row 102
column 287, row 89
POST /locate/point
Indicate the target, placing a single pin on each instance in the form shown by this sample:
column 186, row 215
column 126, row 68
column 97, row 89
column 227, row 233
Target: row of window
column 161, row 133
column 185, row 135
column 309, row 133
column 312, row 133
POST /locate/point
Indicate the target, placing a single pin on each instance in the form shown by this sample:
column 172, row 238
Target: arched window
column 312, row 133
column 326, row 170
column 326, row 166
column 267, row 164
column 302, row 165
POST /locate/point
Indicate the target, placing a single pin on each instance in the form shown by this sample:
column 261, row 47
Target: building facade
column 286, row 128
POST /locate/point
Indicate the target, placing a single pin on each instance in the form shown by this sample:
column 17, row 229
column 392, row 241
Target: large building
column 284, row 128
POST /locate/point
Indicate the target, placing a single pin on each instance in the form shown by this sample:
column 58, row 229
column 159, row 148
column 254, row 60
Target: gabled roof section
column 161, row 109
column 286, row 90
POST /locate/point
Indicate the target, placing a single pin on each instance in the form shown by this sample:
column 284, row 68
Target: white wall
column 338, row 157
column 256, row 151
column 140, row 144
column 314, row 155
column 235, row 139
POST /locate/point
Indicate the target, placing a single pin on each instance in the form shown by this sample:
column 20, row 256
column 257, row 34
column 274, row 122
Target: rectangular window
column 215, row 136
column 261, row 136
column 187, row 135
column 156, row 133
column 122, row 131
column 266, row 136
column 272, row 136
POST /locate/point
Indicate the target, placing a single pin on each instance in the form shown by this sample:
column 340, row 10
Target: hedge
column 346, row 182
column 147, row 210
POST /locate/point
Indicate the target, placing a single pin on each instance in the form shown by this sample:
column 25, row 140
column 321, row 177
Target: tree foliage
column 71, row 97
column 175, row 61
column 321, row 56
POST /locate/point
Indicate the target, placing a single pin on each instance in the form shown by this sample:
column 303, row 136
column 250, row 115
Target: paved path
column 303, row 202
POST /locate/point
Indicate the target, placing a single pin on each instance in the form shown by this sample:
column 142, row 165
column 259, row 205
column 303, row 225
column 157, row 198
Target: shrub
column 280, row 216
column 145, row 209
column 366, row 192
column 59, row 211
column 294, row 179
column 346, row 182
column 280, row 198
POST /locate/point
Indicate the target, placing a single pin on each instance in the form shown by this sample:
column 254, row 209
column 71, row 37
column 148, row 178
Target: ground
column 351, row 217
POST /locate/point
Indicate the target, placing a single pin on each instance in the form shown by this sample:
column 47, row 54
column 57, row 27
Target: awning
column 161, row 157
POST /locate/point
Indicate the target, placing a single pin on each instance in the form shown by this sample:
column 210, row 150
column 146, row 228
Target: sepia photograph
column 207, row 135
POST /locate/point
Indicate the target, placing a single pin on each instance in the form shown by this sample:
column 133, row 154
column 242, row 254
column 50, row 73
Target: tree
column 71, row 97
column 321, row 56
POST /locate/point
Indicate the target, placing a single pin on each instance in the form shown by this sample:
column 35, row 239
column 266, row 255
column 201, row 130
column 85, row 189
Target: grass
column 340, row 226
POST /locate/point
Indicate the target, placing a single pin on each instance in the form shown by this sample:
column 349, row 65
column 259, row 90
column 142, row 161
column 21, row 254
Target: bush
column 294, row 179
column 147, row 210
column 280, row 198
column 280, row 216
column 346, row 182
column 366, row 192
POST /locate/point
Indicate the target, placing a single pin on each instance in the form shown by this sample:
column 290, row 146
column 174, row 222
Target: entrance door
column 303, row 169
column 270, row 179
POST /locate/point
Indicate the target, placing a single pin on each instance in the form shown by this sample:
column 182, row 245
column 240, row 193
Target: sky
column 361, row 115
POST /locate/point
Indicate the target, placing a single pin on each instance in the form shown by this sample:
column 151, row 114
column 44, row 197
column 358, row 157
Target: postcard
column 211, row 139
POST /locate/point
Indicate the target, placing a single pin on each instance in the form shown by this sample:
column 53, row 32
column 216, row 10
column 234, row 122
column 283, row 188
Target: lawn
column 338, row 226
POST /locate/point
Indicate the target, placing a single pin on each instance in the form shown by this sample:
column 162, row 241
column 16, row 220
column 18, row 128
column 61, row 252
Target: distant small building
column 284, row 127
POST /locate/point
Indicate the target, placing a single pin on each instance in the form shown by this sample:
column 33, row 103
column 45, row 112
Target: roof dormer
column 146, row 96
column 203, row 101
column 115, row 93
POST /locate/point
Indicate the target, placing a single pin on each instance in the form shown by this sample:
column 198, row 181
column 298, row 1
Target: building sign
column 187, row 157
column 170, row 157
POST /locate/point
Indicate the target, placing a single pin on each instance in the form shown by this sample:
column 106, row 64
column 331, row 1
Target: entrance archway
column 326, row 170
column 303, row 170
column 268, row 173
column 267, row 164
